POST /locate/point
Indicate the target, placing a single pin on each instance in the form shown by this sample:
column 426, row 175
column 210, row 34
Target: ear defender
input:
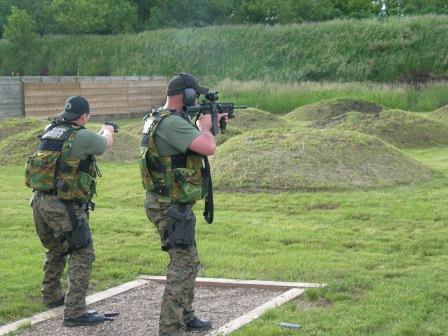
column 189, row 93
column 189, row 97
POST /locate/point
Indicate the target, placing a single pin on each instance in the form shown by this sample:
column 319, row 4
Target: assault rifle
column 210, row 106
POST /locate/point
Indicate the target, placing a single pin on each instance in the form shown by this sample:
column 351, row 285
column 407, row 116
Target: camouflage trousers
column 51, row 220
column 183, row 267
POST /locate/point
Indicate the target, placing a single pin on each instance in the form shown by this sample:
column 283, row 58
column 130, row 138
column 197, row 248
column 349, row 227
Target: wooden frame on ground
column 294, row 289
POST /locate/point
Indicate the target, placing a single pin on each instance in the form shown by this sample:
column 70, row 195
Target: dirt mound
column 19, row 139
column 251, row 119
column 440, row 114
column 13, row 126
column 290, row 160
column 400, row 128
column 332, row 108
column 125, row 148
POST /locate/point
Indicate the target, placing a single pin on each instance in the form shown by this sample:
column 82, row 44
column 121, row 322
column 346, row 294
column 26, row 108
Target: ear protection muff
column 189, row 93
column 189, row 97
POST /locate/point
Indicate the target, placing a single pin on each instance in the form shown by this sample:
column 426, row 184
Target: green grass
column 281, row 98
column 440, row 114
column 339, row 50
column 332, row 108
column 19, row 133
column 383, row 252
column 295, row 159
column 399, row 128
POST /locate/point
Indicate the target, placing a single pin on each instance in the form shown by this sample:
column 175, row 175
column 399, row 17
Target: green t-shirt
column 174, row 135
column 87, row 142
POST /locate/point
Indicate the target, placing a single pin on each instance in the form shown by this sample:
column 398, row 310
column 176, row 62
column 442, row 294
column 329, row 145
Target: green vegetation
column 18, row 126
column 126, row 147
column 112, row 16
column 281, row 98
column 440, row 114
column 400, row 128
column 252, row 119
column 330, row 109
column 249, row 119
column 405, row 49
column 292, row 160
column 19, row 139
column 382, row 252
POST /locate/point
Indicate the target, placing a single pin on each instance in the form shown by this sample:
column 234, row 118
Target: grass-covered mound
column 125, row 148
column 252, row 118
column 289, row 160
column 440, row 114
column 15, row 148
column 333, row 108
column 19, row 139
column 248, row 120
column 13, row 126
column 400, row 128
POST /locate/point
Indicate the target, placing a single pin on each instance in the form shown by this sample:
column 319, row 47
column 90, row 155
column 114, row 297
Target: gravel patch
column 140, row 308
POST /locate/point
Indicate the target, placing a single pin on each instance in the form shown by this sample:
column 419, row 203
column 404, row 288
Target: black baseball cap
column 75, row 106
column 183, row 81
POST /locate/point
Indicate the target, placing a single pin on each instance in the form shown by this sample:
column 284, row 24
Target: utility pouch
column 181, row 231
column 80, row 235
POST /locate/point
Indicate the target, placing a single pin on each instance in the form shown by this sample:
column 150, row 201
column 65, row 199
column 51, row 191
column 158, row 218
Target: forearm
column 204, row 144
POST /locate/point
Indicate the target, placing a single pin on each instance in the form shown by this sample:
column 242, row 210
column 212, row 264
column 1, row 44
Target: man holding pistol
column 171, row 162
column 63, row 176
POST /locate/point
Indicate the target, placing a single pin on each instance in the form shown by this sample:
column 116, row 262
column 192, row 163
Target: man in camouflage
column 62, row 174
column 171, row 155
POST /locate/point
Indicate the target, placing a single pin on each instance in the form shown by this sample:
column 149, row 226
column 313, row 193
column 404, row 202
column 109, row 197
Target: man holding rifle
column 172, row 157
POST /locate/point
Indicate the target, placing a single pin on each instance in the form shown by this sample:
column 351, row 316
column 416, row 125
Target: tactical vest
column 51, row 169
column 180, row 177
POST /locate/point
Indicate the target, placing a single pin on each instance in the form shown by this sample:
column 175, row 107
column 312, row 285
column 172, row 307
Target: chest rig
column 179, row 177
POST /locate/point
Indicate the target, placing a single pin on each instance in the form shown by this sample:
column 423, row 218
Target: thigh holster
column 181, row 229
column 80, row 235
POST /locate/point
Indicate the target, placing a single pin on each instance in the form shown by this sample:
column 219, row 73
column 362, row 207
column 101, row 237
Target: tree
column 20, row 33
column 100, row 16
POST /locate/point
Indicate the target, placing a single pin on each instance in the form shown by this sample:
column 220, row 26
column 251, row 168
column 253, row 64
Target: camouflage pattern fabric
column 181, row 184
column 178, row 296
column 71, row 182
column 51, row 221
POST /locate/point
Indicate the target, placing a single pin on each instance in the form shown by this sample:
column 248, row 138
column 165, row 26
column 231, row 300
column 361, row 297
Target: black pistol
column 115, row 126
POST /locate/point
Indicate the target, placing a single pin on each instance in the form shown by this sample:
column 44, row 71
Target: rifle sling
column 208, row 208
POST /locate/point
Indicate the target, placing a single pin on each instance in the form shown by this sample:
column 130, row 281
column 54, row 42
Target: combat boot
column 198, row 325
column 55, row 304
column 84, row 320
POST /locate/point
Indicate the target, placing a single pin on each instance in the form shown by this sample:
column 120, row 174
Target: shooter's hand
column 222, row 119
column 204, row 122
column 223, row 115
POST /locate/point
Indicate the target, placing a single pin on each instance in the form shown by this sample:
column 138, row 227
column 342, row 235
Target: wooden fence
column 45, row 96
column 11, row 97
